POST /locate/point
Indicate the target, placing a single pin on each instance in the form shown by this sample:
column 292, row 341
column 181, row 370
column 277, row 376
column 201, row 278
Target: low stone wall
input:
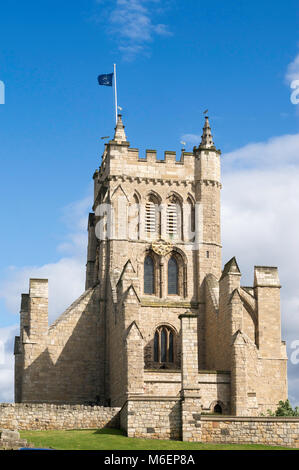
column 231, row 430
column 25, row 416
column 161, row 418
column 153, row 417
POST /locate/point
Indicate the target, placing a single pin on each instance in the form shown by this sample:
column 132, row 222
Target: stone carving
column 162, row 247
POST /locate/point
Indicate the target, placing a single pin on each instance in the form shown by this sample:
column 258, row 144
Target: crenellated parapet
column 152, row 156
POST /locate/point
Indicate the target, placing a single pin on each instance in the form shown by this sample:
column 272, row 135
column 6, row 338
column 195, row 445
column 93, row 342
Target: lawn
column 114, row 439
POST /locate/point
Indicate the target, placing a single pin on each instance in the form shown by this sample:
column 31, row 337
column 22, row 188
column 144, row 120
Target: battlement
column 130, row 162
column 38, row 288
column 151, row 156
column 266, row 276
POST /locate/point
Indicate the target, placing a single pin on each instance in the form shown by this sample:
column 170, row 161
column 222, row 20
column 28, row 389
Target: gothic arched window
column 149, row 275
column 152, row 217
column 174, row 218
column 173, row 271
column 163, row 345
column 217, row 408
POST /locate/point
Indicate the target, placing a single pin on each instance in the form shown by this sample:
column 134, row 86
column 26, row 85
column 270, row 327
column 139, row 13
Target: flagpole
column 115, row 93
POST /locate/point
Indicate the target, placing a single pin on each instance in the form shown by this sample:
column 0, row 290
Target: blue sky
column 174, row 59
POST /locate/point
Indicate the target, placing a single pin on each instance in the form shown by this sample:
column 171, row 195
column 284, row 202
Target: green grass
column 114, row 439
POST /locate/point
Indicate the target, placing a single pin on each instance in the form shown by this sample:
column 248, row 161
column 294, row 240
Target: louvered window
column 149, row 276
column 163, row 345
column 172, row 219
column 172, row 276
column 150, row 217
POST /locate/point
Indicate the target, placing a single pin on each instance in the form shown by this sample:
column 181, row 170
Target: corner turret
column 207, row 138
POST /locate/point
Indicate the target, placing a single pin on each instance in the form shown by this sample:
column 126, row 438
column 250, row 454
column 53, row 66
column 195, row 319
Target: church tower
column 155, row 230
column 160, row 324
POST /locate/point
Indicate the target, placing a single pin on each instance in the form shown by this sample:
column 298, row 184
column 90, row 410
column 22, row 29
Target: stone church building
column 161, row 325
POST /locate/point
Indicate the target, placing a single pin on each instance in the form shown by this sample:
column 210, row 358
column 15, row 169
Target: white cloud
column 191, row 139
column 132, row 24
column 66, row 283
column 260, row 222
column 66, row 276
column 130, row 52
column 275, row 152
column 7, row 363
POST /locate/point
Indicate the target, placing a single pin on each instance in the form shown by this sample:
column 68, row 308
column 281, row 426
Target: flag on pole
column 105, row 79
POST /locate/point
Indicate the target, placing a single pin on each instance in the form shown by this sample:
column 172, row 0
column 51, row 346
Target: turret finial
column 120, row 135
column 207, row 138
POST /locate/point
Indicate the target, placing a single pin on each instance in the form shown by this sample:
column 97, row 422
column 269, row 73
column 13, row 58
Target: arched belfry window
column 173, row 274
column 174, row 218
column 152, row 217
column 149, row 275
column 164, row 345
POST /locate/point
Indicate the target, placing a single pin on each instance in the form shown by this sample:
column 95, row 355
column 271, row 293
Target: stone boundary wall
column 161, row 418
column 149, row 417
column 255, row 430
column 27, row 416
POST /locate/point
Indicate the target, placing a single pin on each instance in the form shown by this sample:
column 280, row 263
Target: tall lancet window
column 191, row 215
column 173, row 271
column 156, row 347
column 163, row 345
column 149, row 275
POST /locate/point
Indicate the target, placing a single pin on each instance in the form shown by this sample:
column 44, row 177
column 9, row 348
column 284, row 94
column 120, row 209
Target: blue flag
column 105, row 79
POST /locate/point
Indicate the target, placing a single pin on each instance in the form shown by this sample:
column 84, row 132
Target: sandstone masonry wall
column 155, row 418
column 43, row 416
column 63, row 364
column 234, row 430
